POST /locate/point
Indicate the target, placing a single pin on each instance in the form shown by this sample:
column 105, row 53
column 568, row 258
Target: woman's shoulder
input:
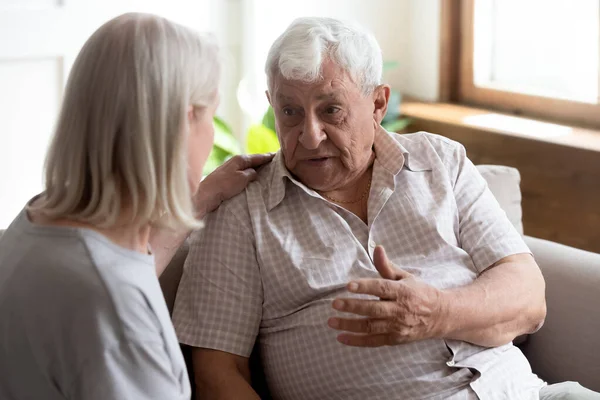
column 68, row 280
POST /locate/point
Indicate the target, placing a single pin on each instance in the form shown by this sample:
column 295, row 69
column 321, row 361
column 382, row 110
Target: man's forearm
column 505, row 301
column 234, row 386
column 220, row 375
column 217, row 381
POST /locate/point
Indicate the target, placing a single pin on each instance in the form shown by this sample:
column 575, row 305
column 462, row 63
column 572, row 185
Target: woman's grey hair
column 121, row 137
column 301, row 50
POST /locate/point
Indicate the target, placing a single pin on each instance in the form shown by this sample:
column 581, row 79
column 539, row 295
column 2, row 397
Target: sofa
column 567, row 347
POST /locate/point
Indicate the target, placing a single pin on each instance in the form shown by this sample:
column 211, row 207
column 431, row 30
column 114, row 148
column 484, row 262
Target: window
column 536, row 57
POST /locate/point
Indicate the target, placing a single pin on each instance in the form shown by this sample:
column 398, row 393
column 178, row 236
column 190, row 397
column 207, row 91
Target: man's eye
column 332, row 110
column 289, row 112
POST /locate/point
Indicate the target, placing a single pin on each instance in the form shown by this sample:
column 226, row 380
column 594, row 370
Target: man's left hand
column 408, row 310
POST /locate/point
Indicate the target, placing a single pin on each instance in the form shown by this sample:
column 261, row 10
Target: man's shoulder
column 262, row 185
column 422, row 141
column 433, row 151
column 239, row 205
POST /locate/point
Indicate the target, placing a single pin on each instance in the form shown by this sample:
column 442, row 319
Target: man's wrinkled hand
column 227, row 181
column 408, row 309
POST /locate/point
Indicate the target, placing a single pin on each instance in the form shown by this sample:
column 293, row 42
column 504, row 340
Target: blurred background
column 516, row 81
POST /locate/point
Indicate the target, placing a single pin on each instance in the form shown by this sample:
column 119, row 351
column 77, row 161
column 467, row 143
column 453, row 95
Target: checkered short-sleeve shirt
column 269, row 262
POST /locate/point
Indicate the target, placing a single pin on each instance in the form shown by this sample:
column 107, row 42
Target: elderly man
column 297, row 262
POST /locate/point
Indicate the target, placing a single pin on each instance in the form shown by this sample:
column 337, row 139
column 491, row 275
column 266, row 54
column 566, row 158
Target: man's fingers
column 361, row 325
column 366, row 308
column 384, row 266
column 382, row 288
column 365, row 340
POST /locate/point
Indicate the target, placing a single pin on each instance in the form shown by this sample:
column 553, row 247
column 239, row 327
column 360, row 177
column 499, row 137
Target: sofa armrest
column 567, row 347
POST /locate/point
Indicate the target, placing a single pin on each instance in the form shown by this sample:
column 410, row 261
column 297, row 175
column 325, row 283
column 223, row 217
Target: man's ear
column 381, row 97
column 268, row 97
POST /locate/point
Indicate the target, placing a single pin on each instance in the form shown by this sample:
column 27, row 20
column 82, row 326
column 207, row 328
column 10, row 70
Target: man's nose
column 312, row 133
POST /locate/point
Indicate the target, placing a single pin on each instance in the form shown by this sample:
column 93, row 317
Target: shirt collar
column 393, row 156
column 389, row 153
column 278, row 181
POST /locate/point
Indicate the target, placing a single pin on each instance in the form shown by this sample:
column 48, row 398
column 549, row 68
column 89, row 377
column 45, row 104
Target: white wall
column 422, row 54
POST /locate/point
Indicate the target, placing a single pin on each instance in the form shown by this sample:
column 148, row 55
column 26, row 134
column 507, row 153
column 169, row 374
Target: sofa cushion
column 567, row 347
column 504, row 183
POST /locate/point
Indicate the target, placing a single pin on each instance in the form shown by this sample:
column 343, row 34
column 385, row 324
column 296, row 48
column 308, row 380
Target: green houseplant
column 225, row 146
column 262, row 137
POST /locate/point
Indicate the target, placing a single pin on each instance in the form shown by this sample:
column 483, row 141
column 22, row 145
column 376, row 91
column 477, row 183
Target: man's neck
column 355, row 188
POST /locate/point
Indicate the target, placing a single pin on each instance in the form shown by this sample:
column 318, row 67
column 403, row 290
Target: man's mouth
column 317, row 161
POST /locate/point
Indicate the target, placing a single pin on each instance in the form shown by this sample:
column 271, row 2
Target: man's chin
column 313, row 180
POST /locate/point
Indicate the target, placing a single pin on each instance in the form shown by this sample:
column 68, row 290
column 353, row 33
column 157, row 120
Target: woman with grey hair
column 81, row 311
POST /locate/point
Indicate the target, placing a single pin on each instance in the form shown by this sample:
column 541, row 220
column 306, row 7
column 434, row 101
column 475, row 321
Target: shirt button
column 450, row 363
column 372, row 244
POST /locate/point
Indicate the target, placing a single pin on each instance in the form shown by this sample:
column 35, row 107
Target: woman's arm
column 224, row 183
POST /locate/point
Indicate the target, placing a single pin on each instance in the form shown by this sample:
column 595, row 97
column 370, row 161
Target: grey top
column 82, row 318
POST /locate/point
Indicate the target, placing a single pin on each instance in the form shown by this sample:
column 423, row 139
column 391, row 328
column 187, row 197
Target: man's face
column 327, row 128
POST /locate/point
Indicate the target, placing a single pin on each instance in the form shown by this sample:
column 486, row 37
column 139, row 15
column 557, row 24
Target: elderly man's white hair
column 300, row 51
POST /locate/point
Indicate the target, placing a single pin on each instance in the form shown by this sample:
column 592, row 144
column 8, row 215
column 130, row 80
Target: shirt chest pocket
column 427, row 211
column 325, row 275
column 310, row 260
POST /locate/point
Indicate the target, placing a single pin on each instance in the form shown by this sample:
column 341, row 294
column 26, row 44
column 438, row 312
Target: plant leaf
column 269, row 119
column 261, row 139
column 217, row 157
column 224, row 138
column 397, row 125
column 387, row 65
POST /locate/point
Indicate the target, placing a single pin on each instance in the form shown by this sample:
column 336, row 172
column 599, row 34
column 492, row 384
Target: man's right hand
column 408, row 308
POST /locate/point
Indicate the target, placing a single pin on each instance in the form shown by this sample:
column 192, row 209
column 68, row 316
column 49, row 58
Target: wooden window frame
column 457, row 84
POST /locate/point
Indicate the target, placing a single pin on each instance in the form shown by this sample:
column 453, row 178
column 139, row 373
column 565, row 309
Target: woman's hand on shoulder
column 227, row 181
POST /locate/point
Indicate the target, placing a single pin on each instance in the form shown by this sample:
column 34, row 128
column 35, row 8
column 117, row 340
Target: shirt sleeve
column 485, row 231
column 219, row 300
column 130, row 370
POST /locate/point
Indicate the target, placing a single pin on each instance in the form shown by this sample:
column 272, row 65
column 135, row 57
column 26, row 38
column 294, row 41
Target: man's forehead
column 320, row 90
column 283, row 94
